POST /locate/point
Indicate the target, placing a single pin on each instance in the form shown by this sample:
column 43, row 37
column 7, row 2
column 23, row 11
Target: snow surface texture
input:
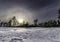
column 36, row 34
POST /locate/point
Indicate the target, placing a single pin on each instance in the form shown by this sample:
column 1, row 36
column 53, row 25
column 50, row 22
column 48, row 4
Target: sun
column 20, row 20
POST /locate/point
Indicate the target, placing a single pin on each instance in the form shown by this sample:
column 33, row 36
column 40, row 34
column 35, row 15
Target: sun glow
column 20, row 20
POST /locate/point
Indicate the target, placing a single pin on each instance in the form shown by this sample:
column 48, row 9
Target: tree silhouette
column 40, row 24
column 58, row 23
column 10, row 22
column 23, row 22
column 35, row 22
column 0, row 23
column 59, row 17
column 45, row 24
column 14, row 20
column 27, row 24
column 54, row 23
column 50, row 23
column 59, row 14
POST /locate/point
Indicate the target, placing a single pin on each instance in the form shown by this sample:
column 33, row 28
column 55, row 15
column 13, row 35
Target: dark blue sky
column 42, row 9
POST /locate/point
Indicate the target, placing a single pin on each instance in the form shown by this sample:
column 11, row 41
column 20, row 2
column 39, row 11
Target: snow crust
column 36, row 34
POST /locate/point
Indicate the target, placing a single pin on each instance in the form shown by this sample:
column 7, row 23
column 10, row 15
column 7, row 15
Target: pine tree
column 35, row 22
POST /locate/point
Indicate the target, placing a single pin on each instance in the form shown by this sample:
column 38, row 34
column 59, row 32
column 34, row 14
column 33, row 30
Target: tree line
column 14, row 23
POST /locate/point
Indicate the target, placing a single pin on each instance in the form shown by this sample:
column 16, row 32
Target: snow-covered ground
column 36, row 34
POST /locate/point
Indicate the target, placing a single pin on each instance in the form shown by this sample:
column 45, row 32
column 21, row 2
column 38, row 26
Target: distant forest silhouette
column 14, row 23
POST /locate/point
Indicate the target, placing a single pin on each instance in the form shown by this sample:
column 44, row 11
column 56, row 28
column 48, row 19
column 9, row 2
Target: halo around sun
column 21, row 15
